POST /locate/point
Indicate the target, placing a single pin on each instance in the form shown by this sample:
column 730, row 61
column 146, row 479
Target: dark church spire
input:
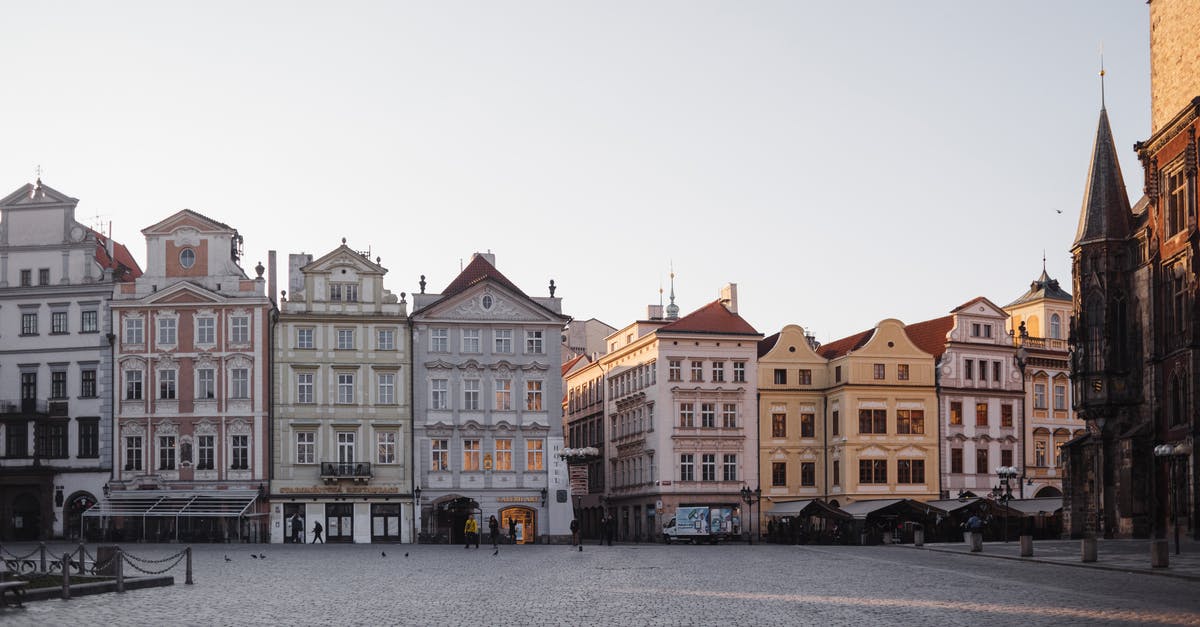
column 1105, row 214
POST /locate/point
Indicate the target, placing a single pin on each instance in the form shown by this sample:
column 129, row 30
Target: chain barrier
column 21, row 567
column 20, row 557
column 178, row 558
column 163, row 560
column 101, row 566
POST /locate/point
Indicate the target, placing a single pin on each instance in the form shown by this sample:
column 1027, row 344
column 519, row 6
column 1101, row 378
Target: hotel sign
column 326, row 489
column 519, row 499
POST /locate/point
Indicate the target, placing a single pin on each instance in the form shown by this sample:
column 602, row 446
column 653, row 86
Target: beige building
column 792, row 418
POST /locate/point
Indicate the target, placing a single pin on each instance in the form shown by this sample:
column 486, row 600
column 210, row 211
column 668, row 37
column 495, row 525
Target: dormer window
column 343, row 292
column 187, row 258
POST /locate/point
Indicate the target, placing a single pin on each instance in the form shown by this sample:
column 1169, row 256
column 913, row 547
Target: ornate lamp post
column 1174, row 454
column 417, row 515
column 1003, row 491
column 751, row 497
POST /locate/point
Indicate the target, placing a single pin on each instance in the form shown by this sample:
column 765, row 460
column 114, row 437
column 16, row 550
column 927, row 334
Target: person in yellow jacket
column 471, row 532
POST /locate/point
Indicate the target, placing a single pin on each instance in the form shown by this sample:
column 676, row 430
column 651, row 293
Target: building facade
column 56, row 281
column 193, row 384
column 343, row 410
column 487, row 407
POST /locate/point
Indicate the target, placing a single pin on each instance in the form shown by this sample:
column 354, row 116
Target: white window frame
column 502, row 399
column 168, row 384
column 472, row 459
column 535, row 343
column 135, row 331
column 533, row 395
column 472, row 390
column 345, row 388
column 502, row 341
column 439, row 394
column 439, row 340
column 239, row 330
column 386, row 388
column 239, row 446
column 239, row 383
column 385, row 339
column 206, row 330
column 503, row 448
column 206, row 442
column 345, row 340
column 206, row 378
column 439, row 455
column 306, row 447
column 304, row 338
column 305, row 388
column 535, row 454
column 138, row 378
column 386, row 447
column 472, row 341
column 168, row 331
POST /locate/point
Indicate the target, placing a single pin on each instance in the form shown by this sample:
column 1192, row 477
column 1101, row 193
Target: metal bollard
column 42, row 546
column 120, row 557
column 66, row 568
column 82, row 556
column 188, row 581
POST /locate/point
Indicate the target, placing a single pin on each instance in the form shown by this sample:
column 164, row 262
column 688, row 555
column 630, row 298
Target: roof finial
column 1043, row 260
column 672, row 309
column 1102, row 76
column 39, row 175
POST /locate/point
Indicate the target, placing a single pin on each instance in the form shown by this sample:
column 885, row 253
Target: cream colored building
column 792, row 418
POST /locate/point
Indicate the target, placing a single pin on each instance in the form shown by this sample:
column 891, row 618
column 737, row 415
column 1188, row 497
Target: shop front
column 346, row 514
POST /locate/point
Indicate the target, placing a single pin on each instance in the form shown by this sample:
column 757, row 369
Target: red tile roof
column 476, row 271
column 122, row 263
column 930, row 335
column 766, row 344
column 838, row 348
column 571, row 364
column 711, row 318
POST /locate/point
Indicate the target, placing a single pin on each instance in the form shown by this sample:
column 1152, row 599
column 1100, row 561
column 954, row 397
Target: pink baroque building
column 192, row 390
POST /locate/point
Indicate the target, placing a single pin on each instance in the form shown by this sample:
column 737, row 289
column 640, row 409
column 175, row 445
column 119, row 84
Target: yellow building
column 792, row 379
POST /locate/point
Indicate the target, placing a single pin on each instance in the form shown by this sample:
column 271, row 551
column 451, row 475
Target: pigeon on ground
column 495, row 553
column 254, row 556
column 383, row 553
column 262, row 556
column 406, row 555
column 227, row 559
column 581, row 547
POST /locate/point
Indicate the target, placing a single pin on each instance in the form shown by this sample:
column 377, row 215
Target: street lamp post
column 1003, row 491
column 417, row 515
column 751, row 497
column 1173, row 454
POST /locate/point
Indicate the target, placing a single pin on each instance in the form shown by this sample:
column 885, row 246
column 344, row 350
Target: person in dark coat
column 494, row 531
column 575, row 533
column 297, row 529
column 512, row 530
column 317, row 529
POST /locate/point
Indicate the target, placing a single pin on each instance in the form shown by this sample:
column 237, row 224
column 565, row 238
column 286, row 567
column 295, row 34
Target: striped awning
column 175, row 503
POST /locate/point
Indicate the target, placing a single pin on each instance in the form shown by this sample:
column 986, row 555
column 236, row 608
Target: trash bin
column 106, row 560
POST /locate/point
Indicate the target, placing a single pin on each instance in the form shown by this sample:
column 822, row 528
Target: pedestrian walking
column 297, row 529
column 610, row 530
column 512, row 530
column 471, row 531
column 575, row 533
column 317, row 529
column 494, row 531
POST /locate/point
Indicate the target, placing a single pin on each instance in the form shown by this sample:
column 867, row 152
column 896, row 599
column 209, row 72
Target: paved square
column 625, row 585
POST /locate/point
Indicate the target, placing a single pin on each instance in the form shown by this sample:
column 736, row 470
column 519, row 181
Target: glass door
column 339, row 522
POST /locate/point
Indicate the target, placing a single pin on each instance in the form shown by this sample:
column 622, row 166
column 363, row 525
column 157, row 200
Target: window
column 345, row 383
column 206, row 453
column 166, row 332
column 872, row 421
column 58, row 384
column 983, row 366
column 439, row 393
column 133, row 452
column 781, row 376
column 837, row 374
column 345, row 339
column 1176, row 200
column 471, row 340
column 240, row 331
column 1006, row 416
column 956, row 461
column 808, row 474
column 805, row 376
column 729, row 415
column 387, row 389
column 241, row 452
column 471, row 394
column 52, row 440
column 1039, row 396
column 1006, row 457
column 981, row 461
column 187, row 258
column 502, row 340
column 969, row 369
column 1039, row 453
column 27, row 278
column 503, row 395
column 872, row 471
column 837, row 472
column 166, row 384
column 708, row 467
column 956, row 412
column 730, row 467
column 58, row 322
column 879, row 372
column 345, row 292
column 87, row 383
column 89, row 438
column 996, row 371
column 166, row 452
column 345, row 445
column 981, row 414
column 304, row 388
column 504, row 454
column 239, row 383
column 16, row 439
column 534, row 454
column 1058, row 453
column 533, row 343
column 304, row 338
column 718, row 371
column 43, row 276
column 981, row 330
column 134, row 331
column 739, row 372
column 133, row 385
column 697, row 371
column 29, row 324
column 708, row 415
column 306, row 447
column 533, row 396
column 89, row 321
column 206, row 330
column 675, row 370
column 206, row 383
column 439, row 340
column 910, row 471
column 385, row 447
column 1055, row 327
column 439, row 455
column 687, row 415
column 385, row 339
column 687, row 467
column 902, row 372
column 910, row 421
column 1060, row 397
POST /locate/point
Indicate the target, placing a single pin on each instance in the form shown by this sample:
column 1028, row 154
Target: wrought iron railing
column 345, row 470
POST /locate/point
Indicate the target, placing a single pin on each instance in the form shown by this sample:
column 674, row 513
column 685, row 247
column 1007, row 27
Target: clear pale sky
column 842, row 162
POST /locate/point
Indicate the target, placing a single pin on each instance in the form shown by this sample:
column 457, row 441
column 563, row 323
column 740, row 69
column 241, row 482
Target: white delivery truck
column 699, row 524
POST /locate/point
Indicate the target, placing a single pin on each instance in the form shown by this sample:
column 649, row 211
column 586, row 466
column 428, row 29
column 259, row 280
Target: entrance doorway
column 526, row 522
column 76, row 506
column 339, row 522
column 290, row 510
column 385, row 522
column 26, row 520
column 450, row 518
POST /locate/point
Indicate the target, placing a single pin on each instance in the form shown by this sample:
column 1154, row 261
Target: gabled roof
column 344, row 250
column 1042, row 287
column 476, row 271
column 766, row 344
column 711, row 318
column 566, row 367
column 930, row 335
column 189, row 216
column 123, row 265
column 838, row 348
column 37, row 194
column 1105, row 214
column 978, row 299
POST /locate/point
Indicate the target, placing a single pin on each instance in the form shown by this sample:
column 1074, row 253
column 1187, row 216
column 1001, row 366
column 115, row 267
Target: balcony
column 356, row 471
column 59, row 408
column 1044, row 343
column 26, row 407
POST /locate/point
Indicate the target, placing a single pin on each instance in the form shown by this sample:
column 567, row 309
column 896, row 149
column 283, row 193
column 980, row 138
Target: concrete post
column 42, row 547
column 1026, row 546
column 976, row 542
column 82, row 556
column 1160, row 553
column 1089, row 550
column 918, row 537
column 188, row 581
column 66, row 568
column 120, row 557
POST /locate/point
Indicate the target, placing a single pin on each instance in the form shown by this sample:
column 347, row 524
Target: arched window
column 1094, row 336
column 1055, row 327
column 1178, row 401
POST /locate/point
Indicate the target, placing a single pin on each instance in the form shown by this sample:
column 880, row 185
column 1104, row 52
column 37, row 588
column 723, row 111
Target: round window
column 487, row 301
column 187, row 257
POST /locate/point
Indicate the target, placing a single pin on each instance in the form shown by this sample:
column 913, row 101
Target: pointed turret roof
column 1105, row 214
column 711, row 318
column 478, row 270
column 1043, row 287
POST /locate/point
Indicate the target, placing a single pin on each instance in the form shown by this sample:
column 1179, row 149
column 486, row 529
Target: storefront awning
column 863, row 510
column 176, row 503
column 807, row 507
column 1047, row 506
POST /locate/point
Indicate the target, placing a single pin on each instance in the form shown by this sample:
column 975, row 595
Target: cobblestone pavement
column 626, row 585
column 1120, row 555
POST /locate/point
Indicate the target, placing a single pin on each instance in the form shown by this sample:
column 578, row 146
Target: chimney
column 729, row 297
column 271, row 284
column 654, row 312
column 295, row 276
column 488, row 257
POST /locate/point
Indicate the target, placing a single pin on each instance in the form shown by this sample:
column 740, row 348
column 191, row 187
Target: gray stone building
column 487, row 407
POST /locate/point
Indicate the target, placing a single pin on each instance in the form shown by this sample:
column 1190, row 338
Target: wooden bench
column 12, row 592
